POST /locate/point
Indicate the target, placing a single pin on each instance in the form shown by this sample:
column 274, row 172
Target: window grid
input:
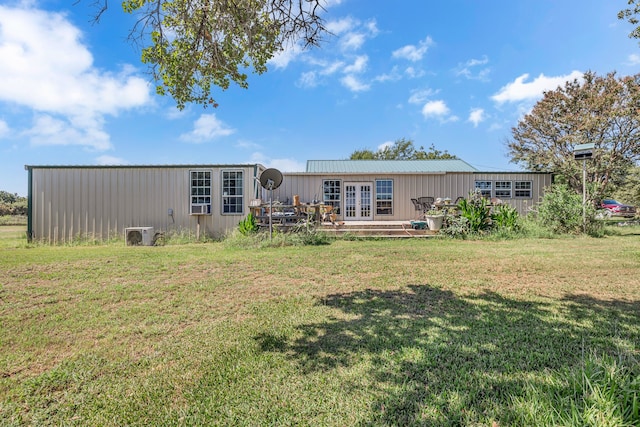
column 232, row 192
column 200, row 188
column 523, row 189
column 384, row 197
column 332, row 194
column 484, row 187
column 503, row 189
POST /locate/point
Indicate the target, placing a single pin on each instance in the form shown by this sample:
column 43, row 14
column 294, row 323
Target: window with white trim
column 503, row 189
column 331, row 193
column 523, row 189
column 384, row 197
column 200, row 194
column 232, row 192
column 484, row 187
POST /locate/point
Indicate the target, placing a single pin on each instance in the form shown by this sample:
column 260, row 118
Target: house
column 67, row 202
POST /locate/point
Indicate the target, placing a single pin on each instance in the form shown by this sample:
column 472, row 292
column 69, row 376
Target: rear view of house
column 98, row 202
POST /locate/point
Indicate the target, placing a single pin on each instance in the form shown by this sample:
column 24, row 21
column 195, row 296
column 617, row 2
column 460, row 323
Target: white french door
column 358, row 201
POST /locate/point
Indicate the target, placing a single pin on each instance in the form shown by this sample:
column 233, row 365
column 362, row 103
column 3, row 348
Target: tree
column 629, row 191
column 595, row 109
column 402, row 149
column 630, row 14
column 193, row 45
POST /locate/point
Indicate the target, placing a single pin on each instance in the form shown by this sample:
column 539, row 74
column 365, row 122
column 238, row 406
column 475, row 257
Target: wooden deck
column 391, row 229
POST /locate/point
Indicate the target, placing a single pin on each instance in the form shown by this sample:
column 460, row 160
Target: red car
column 616, row 208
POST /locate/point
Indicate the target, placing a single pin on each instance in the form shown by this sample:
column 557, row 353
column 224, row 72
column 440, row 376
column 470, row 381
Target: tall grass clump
column 603, row 391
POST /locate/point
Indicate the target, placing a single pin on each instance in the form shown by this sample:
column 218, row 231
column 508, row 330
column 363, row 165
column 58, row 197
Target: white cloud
column 341, row 25
column 110, row 160
column 307, row 80
column 358, row 66
column 421, row 96
column 49, row 130
column 387, row 144
column 4, row 129
column 438, row 109
column 470, row 70
column 205, row 129
column 413, row 53
column 413, row 73
column 332, row 68
column 283, row 165
column 46, row 68
column 477, row 116
column 393, row 76
column 633, row 59
column 284, row 57
column 352, row 83
column 519, row 90
column 352, row 41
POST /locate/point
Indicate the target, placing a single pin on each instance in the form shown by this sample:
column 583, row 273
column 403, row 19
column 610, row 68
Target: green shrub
column 506, row 217
column 477, row 212
column 455, row 226
column 561, row 212
column 248, row 225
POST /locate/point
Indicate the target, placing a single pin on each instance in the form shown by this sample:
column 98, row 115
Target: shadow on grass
column 440, row 359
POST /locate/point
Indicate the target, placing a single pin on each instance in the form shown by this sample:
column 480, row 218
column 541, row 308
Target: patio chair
column 418, row 208
column 426, row 202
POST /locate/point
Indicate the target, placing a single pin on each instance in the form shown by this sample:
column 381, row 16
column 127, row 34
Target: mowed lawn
column 381, row 332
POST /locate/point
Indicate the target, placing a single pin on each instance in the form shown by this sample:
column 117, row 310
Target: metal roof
column 388, row 166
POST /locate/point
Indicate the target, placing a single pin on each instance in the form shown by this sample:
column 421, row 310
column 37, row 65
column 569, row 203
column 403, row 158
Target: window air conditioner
column 202, row 209
column 139, row 236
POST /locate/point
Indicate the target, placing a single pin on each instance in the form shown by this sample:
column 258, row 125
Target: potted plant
column 434, row 219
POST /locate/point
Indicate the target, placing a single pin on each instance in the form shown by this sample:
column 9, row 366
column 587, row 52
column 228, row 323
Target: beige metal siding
column 408, row 186
column 71, row 203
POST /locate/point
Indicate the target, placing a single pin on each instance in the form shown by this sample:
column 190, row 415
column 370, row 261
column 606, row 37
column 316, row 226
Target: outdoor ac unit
column 204, row 209
column 139, row 236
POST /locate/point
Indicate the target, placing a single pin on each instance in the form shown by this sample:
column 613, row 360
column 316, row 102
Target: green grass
column 409, row 332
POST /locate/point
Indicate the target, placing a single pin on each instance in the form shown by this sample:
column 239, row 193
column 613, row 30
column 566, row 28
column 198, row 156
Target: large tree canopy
column 603, row 110
column 193, row 45
column 402, row 149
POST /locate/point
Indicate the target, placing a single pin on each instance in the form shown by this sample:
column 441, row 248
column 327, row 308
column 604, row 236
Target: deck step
column 378, row 229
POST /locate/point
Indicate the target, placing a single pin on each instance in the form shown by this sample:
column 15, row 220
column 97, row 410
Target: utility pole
column 584, row 152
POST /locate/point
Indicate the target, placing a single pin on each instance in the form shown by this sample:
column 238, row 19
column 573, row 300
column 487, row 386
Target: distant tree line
column 11, row 204
column 402, row 149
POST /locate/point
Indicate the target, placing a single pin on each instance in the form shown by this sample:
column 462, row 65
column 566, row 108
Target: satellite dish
column 271, row 179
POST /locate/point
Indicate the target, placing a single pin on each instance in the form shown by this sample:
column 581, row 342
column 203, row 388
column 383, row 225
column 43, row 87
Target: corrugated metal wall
column 82, row 202
column 408, row 186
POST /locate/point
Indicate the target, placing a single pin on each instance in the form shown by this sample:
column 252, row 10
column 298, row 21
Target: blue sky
column 456, row 74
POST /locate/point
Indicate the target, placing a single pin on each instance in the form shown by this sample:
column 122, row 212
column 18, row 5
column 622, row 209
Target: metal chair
column 418, row 207
column 426, row 202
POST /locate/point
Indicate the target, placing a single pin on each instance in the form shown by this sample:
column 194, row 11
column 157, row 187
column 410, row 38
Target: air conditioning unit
column 201, row 209
column 139, row 236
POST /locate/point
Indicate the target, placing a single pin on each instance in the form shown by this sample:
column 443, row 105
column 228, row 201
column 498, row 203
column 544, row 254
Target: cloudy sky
column 456, row 74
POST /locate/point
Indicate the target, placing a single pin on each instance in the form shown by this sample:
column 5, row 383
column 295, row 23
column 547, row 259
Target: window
column 232, row 197
column 503, row 189
column 200, row 192
column 523, row 189
column 331, row 193
column 384, row 197
column 484, row 187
